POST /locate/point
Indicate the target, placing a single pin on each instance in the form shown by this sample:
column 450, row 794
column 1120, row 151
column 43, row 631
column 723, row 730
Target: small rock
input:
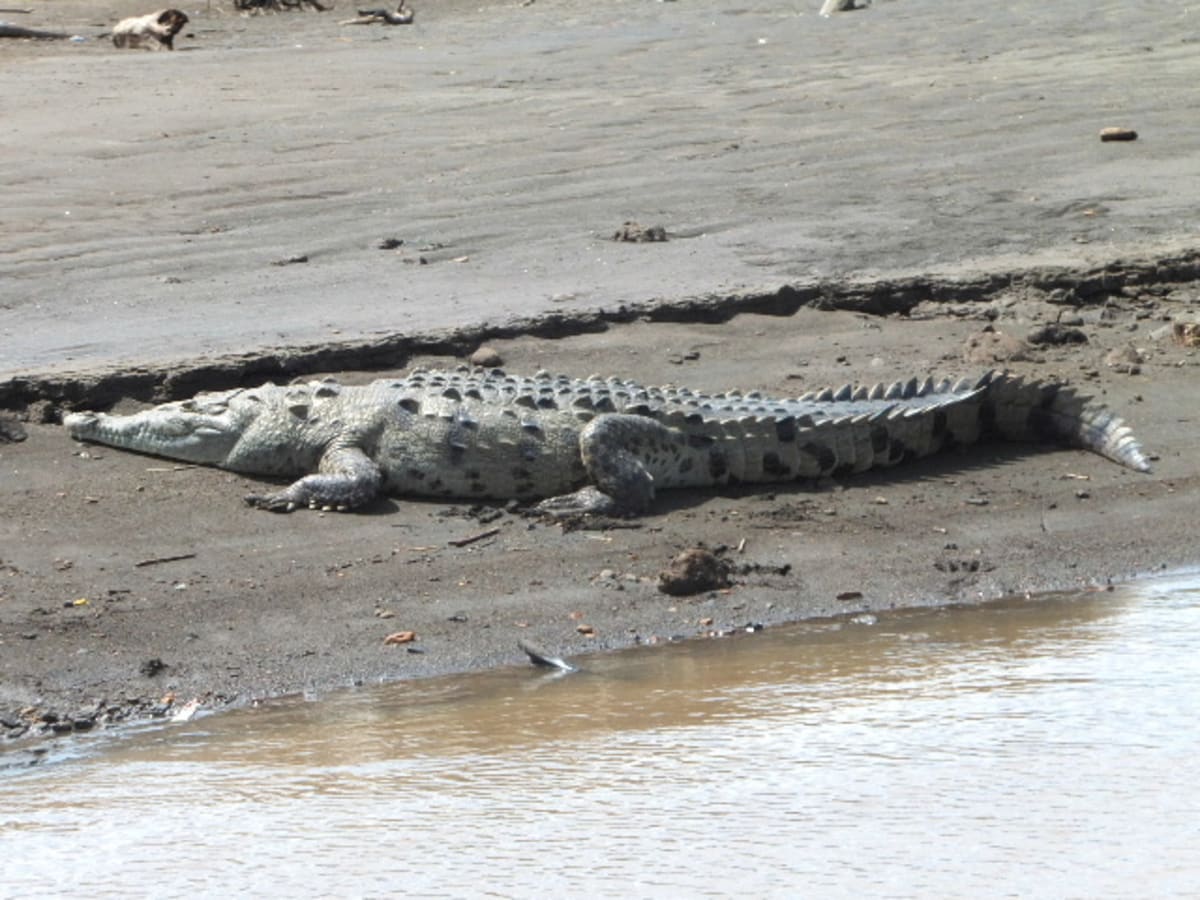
column 1055, row 334
column 694, row 571
column 989, row 347
column 1185, row 333
column 1163, row 332
column 400, row 637
column 11, row 430
column 1127, row 359
column 151, row 667
column 1116, row 133
column 486, row 357
column 632, row 232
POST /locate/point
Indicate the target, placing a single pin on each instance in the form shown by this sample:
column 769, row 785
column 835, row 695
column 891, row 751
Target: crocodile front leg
column 621, row 454
column 346, row 478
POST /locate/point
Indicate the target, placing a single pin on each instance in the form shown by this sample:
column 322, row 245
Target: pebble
column 486, row 357
column 1116, row 133
column 989, row 347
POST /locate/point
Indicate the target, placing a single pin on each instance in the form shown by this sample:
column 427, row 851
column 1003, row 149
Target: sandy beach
column 845, row 199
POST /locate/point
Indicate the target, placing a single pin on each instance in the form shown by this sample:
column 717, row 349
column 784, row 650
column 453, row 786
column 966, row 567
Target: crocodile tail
column 1022, row 410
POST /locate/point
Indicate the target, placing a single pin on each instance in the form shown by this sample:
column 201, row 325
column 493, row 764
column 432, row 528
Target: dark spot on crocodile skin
column 546, row 403
column 987, row 417
column 700, row 441
column 531, row 427
column 410, row 404
column 1041, row 420
column 524, row 489
column 939, row 423
column 718, row 465
column 898, row 450
column 416, row 474
column 529, row 450
column 694, row 419
column 478, row 487
column 785, row 430
column 773, row 465
column 472, row 474
column 584, row 402
column 879, row 439
column 457, row 452
column 473, row 393
column 437, row 484
column 522, row 474
column 825, row 457
column 605, row 404
column 526, row 400
column 686, row 465
column 640, row 409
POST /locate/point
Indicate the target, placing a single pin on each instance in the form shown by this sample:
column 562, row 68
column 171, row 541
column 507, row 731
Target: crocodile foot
column 278, row 502
column 587, row 501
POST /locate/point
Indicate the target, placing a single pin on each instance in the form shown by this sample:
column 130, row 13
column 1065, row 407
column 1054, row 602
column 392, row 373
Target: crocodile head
column 202, row 430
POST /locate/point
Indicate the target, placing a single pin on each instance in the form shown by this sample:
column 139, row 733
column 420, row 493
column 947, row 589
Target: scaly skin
column 485, row 434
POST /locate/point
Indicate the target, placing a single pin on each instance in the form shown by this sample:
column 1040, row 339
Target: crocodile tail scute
column 1019, row 409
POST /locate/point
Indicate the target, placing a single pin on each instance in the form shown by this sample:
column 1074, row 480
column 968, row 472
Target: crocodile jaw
column 170, row 430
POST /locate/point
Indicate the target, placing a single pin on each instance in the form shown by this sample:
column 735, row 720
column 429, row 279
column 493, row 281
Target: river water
column 1029, row 749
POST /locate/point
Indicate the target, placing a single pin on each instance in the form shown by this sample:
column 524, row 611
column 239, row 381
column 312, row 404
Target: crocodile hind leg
column 347, row 478
column 621, row 453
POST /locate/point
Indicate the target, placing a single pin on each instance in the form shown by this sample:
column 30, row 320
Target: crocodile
column 585, row 446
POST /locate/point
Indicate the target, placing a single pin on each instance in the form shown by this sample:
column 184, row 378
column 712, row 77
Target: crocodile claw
column 271, row 502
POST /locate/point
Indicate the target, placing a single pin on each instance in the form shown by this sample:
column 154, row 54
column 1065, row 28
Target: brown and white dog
column 153, row 32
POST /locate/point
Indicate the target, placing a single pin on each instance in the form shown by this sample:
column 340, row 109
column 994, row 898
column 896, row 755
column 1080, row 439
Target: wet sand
column 944, row 167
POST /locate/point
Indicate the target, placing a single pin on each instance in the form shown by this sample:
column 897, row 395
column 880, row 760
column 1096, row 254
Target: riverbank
column 280, row 197
column 132, row 585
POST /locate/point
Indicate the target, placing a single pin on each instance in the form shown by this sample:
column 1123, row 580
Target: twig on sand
column 462, row 542
column 163, row 559
column 16, row 31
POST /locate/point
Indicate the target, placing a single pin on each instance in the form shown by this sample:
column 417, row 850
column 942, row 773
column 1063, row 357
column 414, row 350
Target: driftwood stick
column 462, row 542
column 16, row 31
column 163, row 559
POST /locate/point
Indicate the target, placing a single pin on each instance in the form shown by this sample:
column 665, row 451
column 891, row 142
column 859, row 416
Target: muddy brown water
column 1030, row 748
